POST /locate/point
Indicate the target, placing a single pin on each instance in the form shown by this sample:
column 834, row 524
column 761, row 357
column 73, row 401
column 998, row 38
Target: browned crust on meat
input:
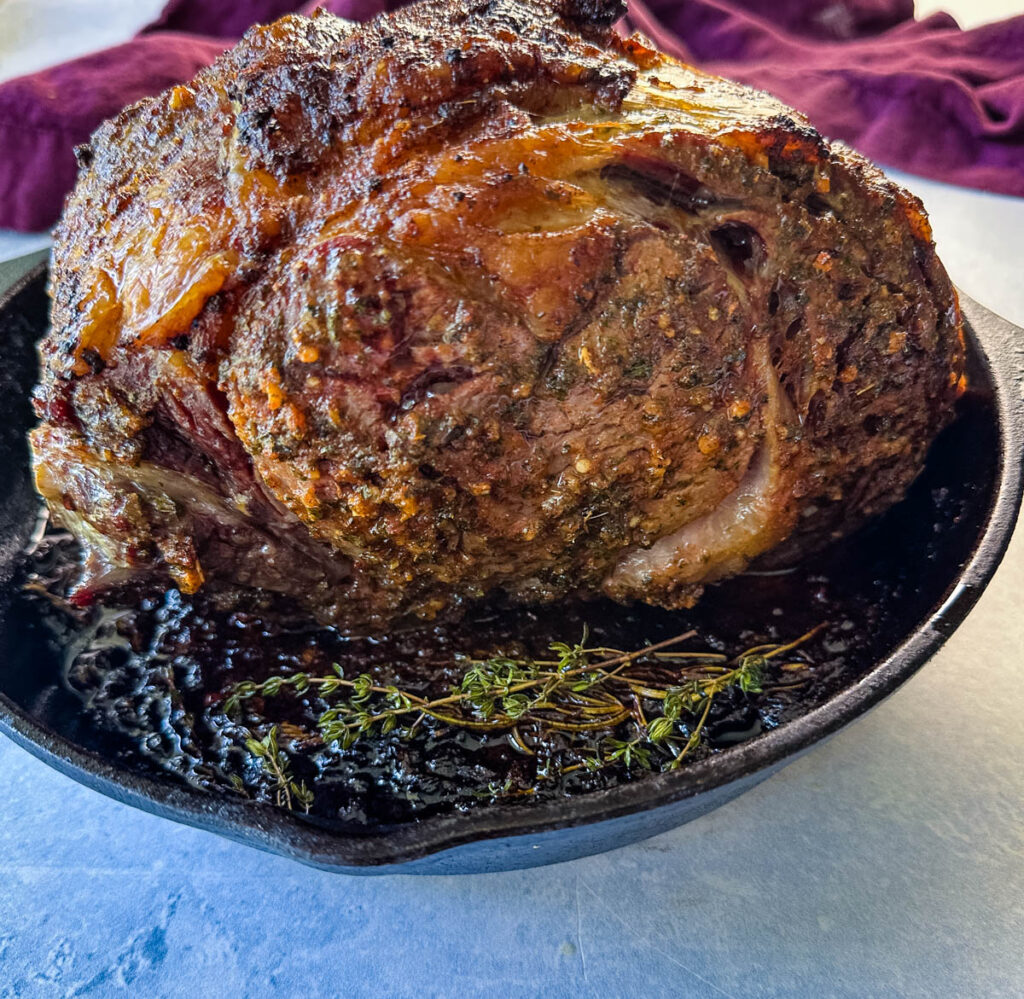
column 477, row 297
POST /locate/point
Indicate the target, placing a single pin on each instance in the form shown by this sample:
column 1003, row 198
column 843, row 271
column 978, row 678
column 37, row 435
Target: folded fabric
column 920, row 95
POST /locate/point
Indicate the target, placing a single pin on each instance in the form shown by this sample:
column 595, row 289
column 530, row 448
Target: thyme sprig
column 286, row 790
column 582, row 694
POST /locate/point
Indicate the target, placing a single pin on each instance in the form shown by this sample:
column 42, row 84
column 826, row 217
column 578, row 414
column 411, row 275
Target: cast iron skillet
column 976, row 465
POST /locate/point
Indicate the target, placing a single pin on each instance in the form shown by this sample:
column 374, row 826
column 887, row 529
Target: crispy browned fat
column 478, row 298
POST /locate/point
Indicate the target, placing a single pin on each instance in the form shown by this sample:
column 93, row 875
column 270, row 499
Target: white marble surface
column 35, row 34
column 970, row 13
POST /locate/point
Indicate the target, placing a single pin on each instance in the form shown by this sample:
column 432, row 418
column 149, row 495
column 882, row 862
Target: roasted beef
column 479, row 297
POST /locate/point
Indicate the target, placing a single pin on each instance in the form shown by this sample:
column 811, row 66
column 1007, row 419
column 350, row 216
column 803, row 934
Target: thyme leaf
column 287, row 792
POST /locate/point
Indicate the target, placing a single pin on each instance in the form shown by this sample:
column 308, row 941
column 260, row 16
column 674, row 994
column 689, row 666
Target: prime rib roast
column 478, row 298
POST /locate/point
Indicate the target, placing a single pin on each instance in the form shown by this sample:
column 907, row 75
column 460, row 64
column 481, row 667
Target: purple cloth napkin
column 920, row 95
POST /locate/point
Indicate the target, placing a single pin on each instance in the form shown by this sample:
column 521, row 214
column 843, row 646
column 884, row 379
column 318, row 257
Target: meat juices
column 479, row 298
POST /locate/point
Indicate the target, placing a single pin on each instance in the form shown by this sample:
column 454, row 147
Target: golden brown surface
column 479, row 297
